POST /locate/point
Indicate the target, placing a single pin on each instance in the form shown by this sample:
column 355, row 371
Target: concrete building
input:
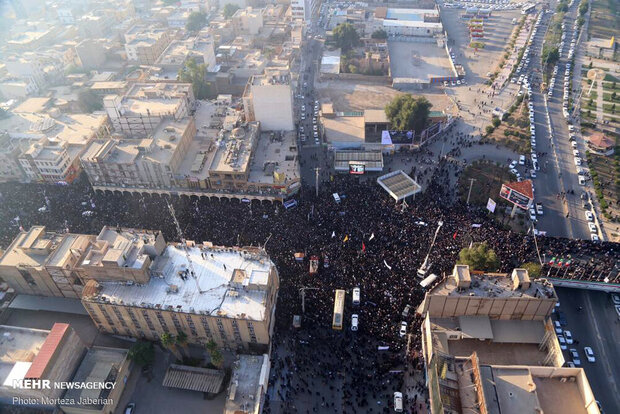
column 200, row 48
column 408, row 22
column 144, row 44
column 90, row 54
column 268, row 98
column 36, row 354
column 247, row 21
column 10, row 169
column 495, row 295
column 99, row 365
column 248, row 384
column 601, row 48
column 145, row 105
column 298, row 10
column 146, row 163
column 44, row 263
column 225, row 294
column 490, row 345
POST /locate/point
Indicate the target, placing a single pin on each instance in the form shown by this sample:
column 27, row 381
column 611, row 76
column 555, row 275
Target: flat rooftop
column 18, row 350
column 399, row 185
column 276, row 153
column 71, row 244
column 234, row 149
column 345, row 129
column 418, row 62
column 98, row 365
column 496, row 285
column 249, row 373
column 120, row 247
column 498, row 353
column 215, row 289
column 30, row 248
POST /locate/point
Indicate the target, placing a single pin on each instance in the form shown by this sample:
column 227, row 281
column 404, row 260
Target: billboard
column 357, row 168
column 515, row 197
column 397, row 137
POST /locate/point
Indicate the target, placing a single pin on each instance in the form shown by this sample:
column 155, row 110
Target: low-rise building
column 144, row 44
column 37, row 355
column 211, row 293
column 248, row 384
column 601, row 48
column 141, row 109
column 247, row 21
column 268, row 98
column 599, row 143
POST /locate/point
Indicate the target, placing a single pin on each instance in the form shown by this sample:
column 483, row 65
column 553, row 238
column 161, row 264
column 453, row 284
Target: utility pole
column 316, row 180
column 471, row 184
column 303, row 297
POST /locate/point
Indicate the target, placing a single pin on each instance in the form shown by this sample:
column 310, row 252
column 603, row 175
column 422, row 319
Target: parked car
column 569, row 337
column 575, row 356
column 558, row 327
column 589, row 354
column 615, row 298
column 403, row 329
column 130, row 408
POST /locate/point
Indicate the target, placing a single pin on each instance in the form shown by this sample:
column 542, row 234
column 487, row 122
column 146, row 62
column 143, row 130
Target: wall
column 523, row 308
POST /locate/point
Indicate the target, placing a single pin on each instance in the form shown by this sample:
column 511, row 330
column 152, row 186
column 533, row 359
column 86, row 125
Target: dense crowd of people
column 365, row 241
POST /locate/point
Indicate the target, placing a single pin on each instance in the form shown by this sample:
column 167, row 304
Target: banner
column 515, row 197
column 491, row 205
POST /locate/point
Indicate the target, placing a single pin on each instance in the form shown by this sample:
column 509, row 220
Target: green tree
column 562, row 7
column 196, row 21
column 181, row 340
column 89, row 101
column 195, row 74
column 583, row 8
column 533, row 269
column 489, row 129
column 550, row 55
column 495, row 121
column 229, row 10
column 479, row 257
column 407, row 113
column 215, row 354
column 379, row 34
column 345, row 36
column 142, row 353
column 168, row 341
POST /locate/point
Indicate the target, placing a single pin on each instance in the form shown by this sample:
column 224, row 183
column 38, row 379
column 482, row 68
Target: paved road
column 597, row 326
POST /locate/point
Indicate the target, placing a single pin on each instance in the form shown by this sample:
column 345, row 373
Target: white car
column 577, row 161
column 575, row 356
column 592, row 228
column 589, row 216
column 573, row 144
column 594, row 237
column 513, row 164
column 522, row 160
column 403, row 329
column 558, row 327
column 354, row 321
column 532, row 214
column 589, row 354
column 562, row 342
column 539, row 209
column 569, row 337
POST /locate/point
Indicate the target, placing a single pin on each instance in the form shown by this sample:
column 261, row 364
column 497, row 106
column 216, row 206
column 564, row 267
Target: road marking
column 604, row 354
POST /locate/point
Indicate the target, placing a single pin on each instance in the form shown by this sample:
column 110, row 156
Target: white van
column 427, row 281
column 398, row 402
column 356, row 296
column 336, row 198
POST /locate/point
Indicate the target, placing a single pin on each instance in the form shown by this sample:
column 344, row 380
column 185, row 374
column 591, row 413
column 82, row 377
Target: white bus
column 336, row 198
column 338, row 309
column 429, row 280
column 528, row 8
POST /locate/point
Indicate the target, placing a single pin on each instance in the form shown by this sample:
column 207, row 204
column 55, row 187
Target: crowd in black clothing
column 385, row 245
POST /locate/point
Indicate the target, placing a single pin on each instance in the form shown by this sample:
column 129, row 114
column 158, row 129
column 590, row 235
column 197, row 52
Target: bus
column 338, row 309
column 528, row 8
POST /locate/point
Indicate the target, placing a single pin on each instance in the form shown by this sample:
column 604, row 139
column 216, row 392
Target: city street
column 597, row 325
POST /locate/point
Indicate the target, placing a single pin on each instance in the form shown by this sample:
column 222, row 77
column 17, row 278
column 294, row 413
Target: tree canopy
column 142, row 353
column 229, row 10
column 379, row 34
column 89, row 101
column 345, row 36
column 479, row 257
column 533, row 269
column 195, row 74
column 407, row 112
column 196, row 21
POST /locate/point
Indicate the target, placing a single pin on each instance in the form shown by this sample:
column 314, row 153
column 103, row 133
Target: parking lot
column 596, row 325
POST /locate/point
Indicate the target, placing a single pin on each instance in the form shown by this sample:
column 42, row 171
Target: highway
column 597, row 325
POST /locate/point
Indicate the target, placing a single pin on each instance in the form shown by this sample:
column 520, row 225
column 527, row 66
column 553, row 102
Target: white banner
column 491, row 205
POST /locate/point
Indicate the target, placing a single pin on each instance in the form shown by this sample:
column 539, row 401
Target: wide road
column 598, row 327
column 563, row 150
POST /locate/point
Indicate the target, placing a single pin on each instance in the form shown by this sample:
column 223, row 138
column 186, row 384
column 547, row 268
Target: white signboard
column 491, row 205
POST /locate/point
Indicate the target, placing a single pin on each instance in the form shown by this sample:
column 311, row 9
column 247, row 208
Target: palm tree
column 182, row 341
column 168, row 341
column 214, row 354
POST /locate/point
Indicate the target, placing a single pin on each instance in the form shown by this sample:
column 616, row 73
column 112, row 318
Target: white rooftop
column 228, row 282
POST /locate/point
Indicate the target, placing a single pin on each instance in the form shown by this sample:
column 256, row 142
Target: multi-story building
column 145, row 105
column 268, row 98
column 223, row 294
column 490, row 346
column 200, row 48
column 247, row 21
column 90, row 54
column 298, row 10
column 248, row 384
column 36, row 354
column 10, row 169
column 146, row 163
column 144, row 44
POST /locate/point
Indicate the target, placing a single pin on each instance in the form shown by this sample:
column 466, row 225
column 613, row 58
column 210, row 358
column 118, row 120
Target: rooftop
column 31, row 248
column 98, row 365
column 234, row 148
column 227, row 282
column 248, row 377
column 344, row 129
column 194, row 378
column 274, row 160
column 399, row 185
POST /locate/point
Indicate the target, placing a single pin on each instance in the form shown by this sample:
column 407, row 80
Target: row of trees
column 143, row 352
column 480, row 257
column 407, row 113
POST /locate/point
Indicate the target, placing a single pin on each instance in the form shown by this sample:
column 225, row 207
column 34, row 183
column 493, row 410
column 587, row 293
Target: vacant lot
column 606, row 177
column 604, row 20
column 514, row 132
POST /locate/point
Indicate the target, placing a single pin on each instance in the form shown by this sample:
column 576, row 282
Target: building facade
column 268, row 99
